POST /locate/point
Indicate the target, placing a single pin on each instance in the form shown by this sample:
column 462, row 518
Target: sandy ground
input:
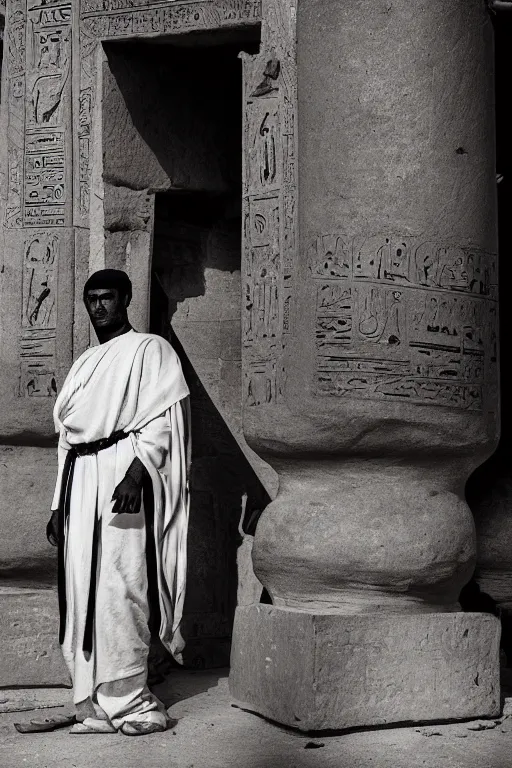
column 212, row 733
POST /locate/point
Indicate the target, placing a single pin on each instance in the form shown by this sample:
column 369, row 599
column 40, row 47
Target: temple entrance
column 171, row 185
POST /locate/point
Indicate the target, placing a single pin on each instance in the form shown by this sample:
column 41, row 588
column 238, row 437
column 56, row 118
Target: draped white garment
column 132, row 383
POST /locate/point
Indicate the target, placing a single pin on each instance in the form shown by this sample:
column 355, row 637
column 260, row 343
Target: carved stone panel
column 14, row 65
column 261, row 319
column 407, row 320
column 88, row 43
column 139, row 17
column 39, row 316
column 264, row 145
column 269, row 192
column 47, row 97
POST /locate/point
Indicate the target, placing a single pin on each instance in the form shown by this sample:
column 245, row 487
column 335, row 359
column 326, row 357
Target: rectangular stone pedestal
column 324, row 671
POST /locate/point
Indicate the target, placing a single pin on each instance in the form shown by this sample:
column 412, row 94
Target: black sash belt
column 83, row 449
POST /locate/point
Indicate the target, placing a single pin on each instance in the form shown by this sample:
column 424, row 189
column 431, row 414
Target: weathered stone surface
column 29, row 639
column 36, row 312
column 387, row 188
column 27, row 483
column 249, row 588
column 319, row 671
column 351, row 536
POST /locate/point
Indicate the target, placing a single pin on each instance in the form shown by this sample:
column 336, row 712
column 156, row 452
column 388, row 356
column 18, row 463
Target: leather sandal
column 141, row 729
column 93, row 725
column 45, row 724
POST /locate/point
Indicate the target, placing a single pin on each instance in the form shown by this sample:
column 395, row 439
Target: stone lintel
column 324, row 671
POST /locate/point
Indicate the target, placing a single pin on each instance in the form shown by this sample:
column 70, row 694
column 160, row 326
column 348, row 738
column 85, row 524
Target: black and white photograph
column 255, row 436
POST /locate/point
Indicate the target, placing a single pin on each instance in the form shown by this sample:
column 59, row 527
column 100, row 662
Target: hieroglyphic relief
column 269, row 193
column 40, row 262
column 99, row 6
column 261, row 383
column 263, row 269
column 334, row 317
column 37, row 59
column 14, row 64
column 39, row 316
column 161, row 17
column 90, row 37
column 84, row 147
column 47, row 80
column 401, row 319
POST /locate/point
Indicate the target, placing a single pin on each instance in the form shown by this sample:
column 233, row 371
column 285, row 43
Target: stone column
column 378, row 395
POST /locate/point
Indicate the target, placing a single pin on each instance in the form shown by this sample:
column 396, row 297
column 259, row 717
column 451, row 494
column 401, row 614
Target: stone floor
column 211, row 733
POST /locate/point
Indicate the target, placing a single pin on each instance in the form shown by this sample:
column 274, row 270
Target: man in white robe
column 123, row 423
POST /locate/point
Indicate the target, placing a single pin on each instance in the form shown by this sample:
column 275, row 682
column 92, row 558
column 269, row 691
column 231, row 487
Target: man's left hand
column 127, row 496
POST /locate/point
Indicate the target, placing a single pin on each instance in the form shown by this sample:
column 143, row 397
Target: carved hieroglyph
column 131, row 17
column 47, row 83
column 403, row 319
column 39, row 315
column 269, row 202
column 14, row 66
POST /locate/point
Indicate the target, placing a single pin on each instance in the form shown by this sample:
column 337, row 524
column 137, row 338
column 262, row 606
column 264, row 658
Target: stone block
column 29, row 628
column 249, row 588
column 230, row 340
column 201, row 340
column 27, row 483
column 325, row 671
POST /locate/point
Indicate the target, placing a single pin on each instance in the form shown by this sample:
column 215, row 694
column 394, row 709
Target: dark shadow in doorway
column 220, row 476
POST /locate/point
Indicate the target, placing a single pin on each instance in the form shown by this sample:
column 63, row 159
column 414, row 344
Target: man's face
column 106, row 307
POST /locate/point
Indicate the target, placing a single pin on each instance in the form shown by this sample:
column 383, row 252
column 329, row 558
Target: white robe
column 132, row 383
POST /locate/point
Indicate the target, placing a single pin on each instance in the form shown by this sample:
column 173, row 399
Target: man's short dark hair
column 109, row 278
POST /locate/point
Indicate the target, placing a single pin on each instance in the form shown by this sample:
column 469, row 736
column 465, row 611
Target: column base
column 324, row 671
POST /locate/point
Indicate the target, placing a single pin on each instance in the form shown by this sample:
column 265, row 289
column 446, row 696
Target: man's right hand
column 52, row 528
